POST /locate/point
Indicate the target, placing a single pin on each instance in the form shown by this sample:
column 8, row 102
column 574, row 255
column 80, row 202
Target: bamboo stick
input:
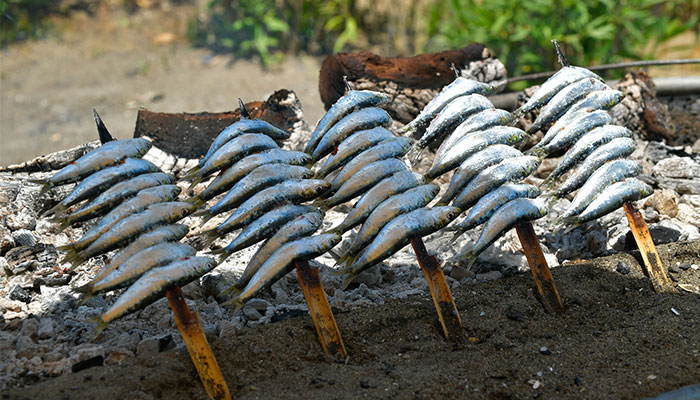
column 320, row 310
column 204, row 361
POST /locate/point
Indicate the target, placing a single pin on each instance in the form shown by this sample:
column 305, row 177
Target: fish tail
column 538, row 152
column 517, row 114
column 407, row 129
column 324, row 205
column 191, row 172
column 101, row 324
column 64, row 222
column 45, row 185
column 236, row 302
column 218, row 251
column 196, row 201
column 470, row 259
column 208, row 237
column 195, row 181
column 456, row 236
column 70, row 247
column 350, row 276
column 206, row 216
column 233, row 290
column 56, row 210
column 221, row 259
column 343, row 263
column 413, row 153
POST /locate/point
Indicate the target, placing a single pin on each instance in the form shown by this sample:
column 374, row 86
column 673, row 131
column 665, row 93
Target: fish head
column 614, row 97
column 533, row 191
column 317, row 188
column 307, row 174
column 446, row 214
column 434, row 190
column 302, row 159
column 541, row 205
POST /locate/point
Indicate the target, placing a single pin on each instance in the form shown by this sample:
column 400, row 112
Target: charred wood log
column 411, row 82
column 188, row 136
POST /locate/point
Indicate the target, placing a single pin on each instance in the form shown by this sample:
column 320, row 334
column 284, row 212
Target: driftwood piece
column 189, row 136
column 411, row 82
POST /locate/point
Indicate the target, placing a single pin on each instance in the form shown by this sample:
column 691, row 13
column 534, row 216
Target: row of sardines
column 264, row 189
column 276, row 198
column 575, row 102
column 137, row 208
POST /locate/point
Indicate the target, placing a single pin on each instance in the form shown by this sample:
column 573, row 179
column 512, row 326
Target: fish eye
column 435, row 191
column 320, row 189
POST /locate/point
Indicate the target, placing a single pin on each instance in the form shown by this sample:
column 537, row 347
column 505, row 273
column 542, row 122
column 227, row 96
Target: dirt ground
column 616, row 339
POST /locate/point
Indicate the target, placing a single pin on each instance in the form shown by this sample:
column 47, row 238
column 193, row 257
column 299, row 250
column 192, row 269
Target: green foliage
column 267, row 28
column 23, row 19
column 592, row 32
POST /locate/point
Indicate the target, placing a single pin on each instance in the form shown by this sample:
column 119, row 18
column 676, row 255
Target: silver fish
column 458, row 87
column 292, row 191
column 491, row 202
column 573, row 131
column 596, row 100
column 584, row 146
column 397, row 234
column 115, row 195
column 483, row 120
column 612, row 198
column 260, row 178
column 365, row 118
column 166, row 233
column 470, row 145
column 231, row 175
column 617, row 148
column 232, row 151
column 387, row 187
column 563, row 100
column 131, row 269
column 102, row 157
column 514, row 211
column 389, row 209
column 127, row 229
column 264, row 227
column 282, row 261
column 363, row 179
column 508, row 170
column 352, row 146
column 452, row 115
column 610, row 172
column 353, row 101
column 102, row 180
column 301, row 226
column 241, row 127
column 561, row 79
column 476, row 163
column 143, row 200
column 153, row 285
column 391, row 148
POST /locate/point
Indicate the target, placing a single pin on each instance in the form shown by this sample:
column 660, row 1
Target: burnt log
column 640, row 110
column 411, row 82
column 188, row 136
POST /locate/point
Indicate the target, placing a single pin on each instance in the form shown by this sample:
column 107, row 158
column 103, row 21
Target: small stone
column 259, row 305
column 148, row 347
column 6, row 244
column 23, row 219
column 251, row 314
column 24, row 237
column 684, row 266
column 489, row 276
column 46, row 328
column 226, row 329
column 545, row 351
column 459, row 272
column 25, row 347
column 128, row 341
column 30, row 328
column 10, row 305
column 19, row 294
column 55, row 279
column 623, row 268
column 515, row 314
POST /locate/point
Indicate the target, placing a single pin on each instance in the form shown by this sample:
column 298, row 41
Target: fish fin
column 407, row 129
column 221, row 259
column 217, row 251
column 191, row 173
column 470, row 259
column 194, row 182
column 538, row 152
column 70, row 247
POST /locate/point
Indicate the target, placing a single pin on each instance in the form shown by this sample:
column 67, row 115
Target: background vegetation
column 519, row 33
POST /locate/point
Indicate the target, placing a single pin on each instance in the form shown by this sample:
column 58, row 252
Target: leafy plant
column 23, row 19
column 594, row 32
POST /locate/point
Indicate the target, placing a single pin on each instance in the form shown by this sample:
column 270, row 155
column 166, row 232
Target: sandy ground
column 116, row 65
column 616, row 339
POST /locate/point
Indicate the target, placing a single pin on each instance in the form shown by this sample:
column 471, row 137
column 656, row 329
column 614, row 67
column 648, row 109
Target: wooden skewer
column 439, row 290
column 191, row 330
column 652, row 262
column 538, row 265
column 320, row 310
